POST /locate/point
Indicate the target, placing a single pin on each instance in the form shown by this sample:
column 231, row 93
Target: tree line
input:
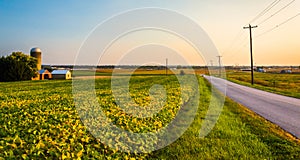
column 17, row 67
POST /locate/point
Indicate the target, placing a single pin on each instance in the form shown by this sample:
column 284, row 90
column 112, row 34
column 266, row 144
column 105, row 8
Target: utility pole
column 166, row 66
column 211, row 62
column 219, row 65
column 250, row 29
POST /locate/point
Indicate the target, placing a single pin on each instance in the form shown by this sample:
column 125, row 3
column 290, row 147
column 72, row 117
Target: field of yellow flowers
column 39, row 120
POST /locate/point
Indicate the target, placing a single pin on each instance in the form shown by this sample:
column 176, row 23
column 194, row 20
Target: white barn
column 61, row 74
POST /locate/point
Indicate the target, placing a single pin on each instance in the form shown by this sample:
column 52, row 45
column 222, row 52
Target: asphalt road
column 281, row 110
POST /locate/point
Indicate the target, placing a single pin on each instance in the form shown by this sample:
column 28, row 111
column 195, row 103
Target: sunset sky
column 60, row 27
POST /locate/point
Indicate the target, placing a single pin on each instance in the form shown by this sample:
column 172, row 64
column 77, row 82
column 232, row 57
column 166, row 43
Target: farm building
column 44, row 74
column 61, row 74
column 285, row 71
column 260, row 70
column 36, row 76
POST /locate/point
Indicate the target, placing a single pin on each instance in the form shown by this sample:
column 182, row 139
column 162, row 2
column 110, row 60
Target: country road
column 281, row 110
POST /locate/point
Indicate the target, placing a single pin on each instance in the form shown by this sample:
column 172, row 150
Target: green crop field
column 285, row 84
column 39, row 120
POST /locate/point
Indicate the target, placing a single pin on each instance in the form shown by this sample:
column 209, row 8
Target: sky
column 60, row 28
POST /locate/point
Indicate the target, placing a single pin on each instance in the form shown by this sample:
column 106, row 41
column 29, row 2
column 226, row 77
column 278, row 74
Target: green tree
column 17, row 67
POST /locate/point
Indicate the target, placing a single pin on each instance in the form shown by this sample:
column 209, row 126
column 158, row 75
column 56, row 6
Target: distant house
column 44, row 74
column 260, row 70
column 61, row 74
column 285, row 71
column 246, row 70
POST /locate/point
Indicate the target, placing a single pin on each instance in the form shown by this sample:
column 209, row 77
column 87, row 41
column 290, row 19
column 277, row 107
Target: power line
column 219, row 60
column 212, row 62
column 219, row 65
column 282, row 23
column 232, row 49
column 166, row 66
column 268, row 8
column 241, row 33
column 250, row 29
column 263, row 21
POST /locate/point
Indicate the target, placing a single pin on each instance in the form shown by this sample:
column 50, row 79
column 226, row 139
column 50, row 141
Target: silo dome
column 37, row 53
column 36, row 49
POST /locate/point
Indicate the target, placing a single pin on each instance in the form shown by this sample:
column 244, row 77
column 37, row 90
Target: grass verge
column 284, row 84
column 238, row 134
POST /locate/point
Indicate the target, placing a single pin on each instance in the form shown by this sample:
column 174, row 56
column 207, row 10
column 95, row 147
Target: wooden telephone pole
column 250, row 29
column 166, row 66
column 219, row 65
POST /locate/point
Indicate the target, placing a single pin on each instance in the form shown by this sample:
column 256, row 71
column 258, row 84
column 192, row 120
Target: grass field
column 285, row 84
column 39, row 120
column 137, row 72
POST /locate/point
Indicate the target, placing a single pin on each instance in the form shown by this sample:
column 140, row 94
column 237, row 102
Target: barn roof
column 42, row 71
column 60, row 71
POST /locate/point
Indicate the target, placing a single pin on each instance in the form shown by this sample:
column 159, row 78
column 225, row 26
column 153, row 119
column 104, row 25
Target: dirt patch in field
column 91, row 77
